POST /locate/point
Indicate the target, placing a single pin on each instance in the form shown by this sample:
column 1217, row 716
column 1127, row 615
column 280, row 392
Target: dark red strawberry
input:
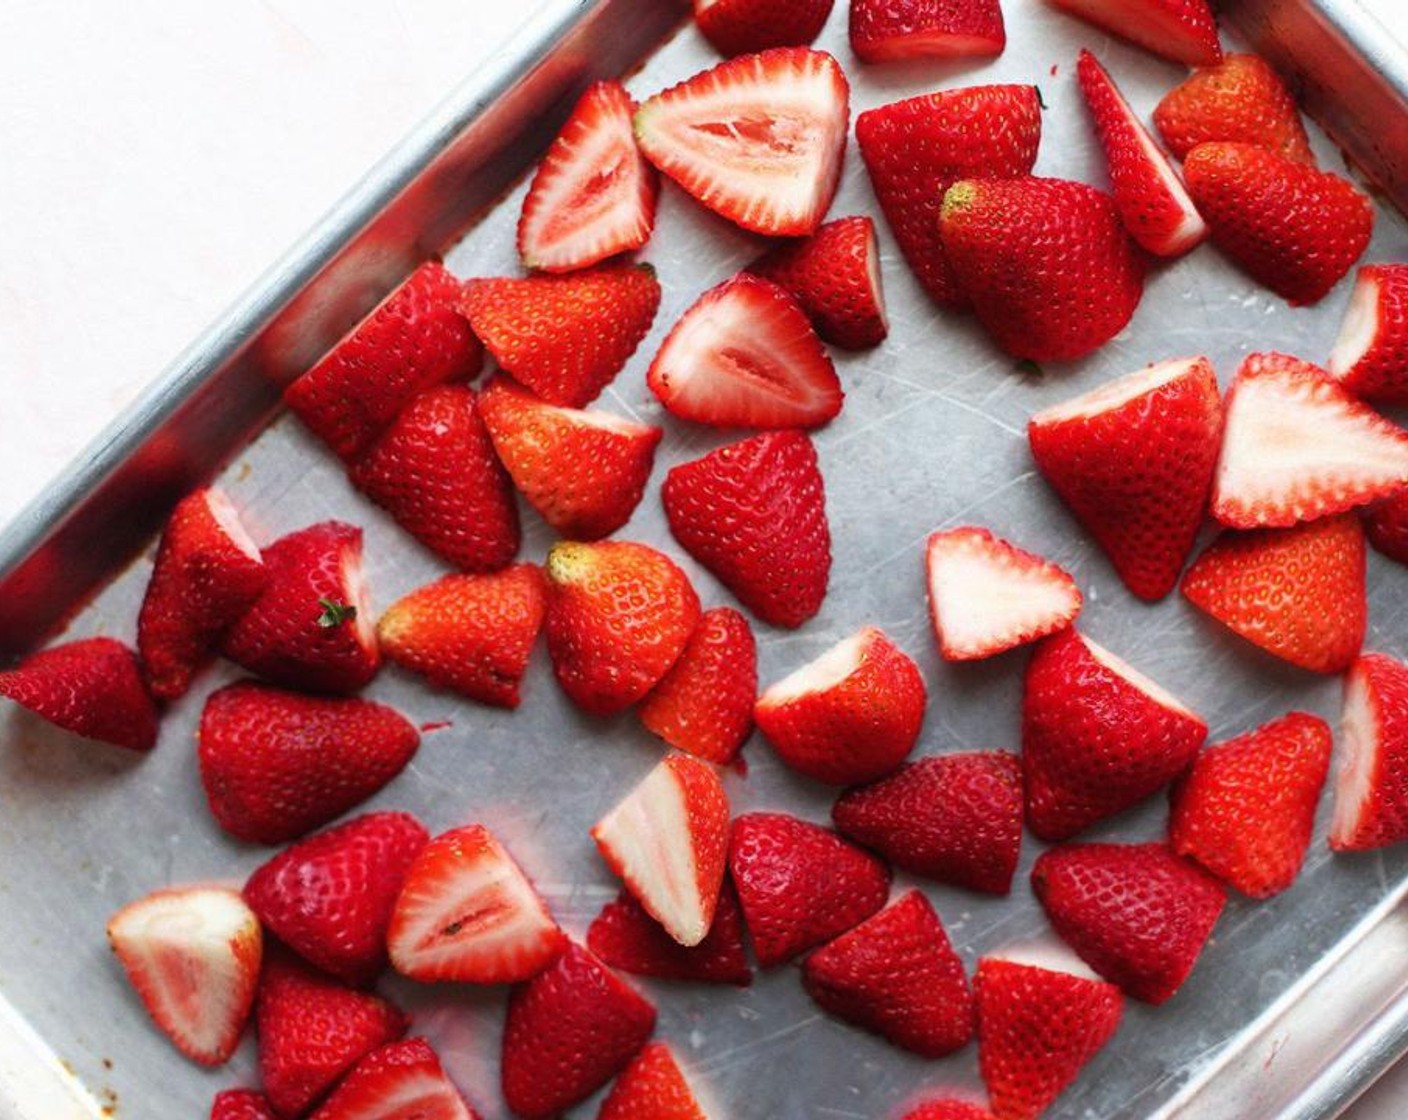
column 1180, row 30
column 651, row 1088
column 399, row 1081
column 740, row 26
column 241, row 1104
column 947, row 1110
column 1370, row 357
column 92, row 687
column 1240, row 99
column 1386, row 525
column 898, row 30
column 626, row 937
column 1371, row 786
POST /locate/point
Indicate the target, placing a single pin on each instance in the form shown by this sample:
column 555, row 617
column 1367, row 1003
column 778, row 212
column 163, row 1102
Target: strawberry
column 467, row 913
column 619, row 616
column 1298, row 593
column 415, row 338
column 834, row 275
column 1179, row 30
column 311, row 628
column 241, row 1104
column 897, row 975
column 1152, row 201
column 472, row 634
column 1134, row 461
column 947, row 1110
column 1296, row 447
column 435, row 472
column 740, row 26
column 1386, row 526
column 704, row 704
column 758, row 139
column 1370, row 357
column 800, row 884
column 1037, row 1028
column 745, row 356
column 1240, row 99
column 277, row 764
column 207, row 572
column 956, row 818
column 92, row 687
column 1051, row 273
column 898, row 30
column 584, row 472
column 986, row 595
column 1097, row 736
column 1246, row 808
column 850, row 716
column 754, row 514
column 396, row 1081
column 568, row 1032
column 626, row 937
column 565, row 337
column 593, row 196
column 1371, row 786
column 192, row 955
column 1288, row 226
column 915, row 149
column 651, row 1088
column 329, row 897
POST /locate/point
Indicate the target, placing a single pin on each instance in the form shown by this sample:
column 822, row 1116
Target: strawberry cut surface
column 1370, row 357
column 1371, row 783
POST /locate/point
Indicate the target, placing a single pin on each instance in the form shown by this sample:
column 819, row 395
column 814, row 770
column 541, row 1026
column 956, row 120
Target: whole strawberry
column 898, row 30
column 739, row 26
column 92, row 687
column 1370, row 357
column 627, row 938
column 1386, row 526
column 1240, row 99
column 1371, row 786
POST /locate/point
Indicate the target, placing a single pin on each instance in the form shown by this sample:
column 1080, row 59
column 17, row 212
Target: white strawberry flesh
column 1361, row 326
column 1361, row 743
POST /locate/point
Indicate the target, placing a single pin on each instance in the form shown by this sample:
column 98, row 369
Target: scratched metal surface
column 931, row 436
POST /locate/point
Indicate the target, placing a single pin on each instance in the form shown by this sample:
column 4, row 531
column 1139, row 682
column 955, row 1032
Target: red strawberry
column 834, row 275
column 435, row 472
column 1097, row 736
column 467, row 913
column 619, row 616
column 565, row 337
column 472, row 634
column 568, row 1032
column 415, row 338
column 1240, row 99
column 1370, row 357
column 1386, row 525
column 1296, row 447
column 897, row 975
column 1297, row 593
column 956, row 818
column 1246, row 809
column 1037, row 1028
column 312, row 627
column 277, row 764
column 651, row 1088
column 593, row 196
column 897, row 30
column 92, row 687
column 399, row 1081
column 739, row 26
column 1371, row 786
column 1180, row 30
column 915, row 149
column 192, row 954
column 1134, row 461
column 241, row 1104
column 1289, row 227
column 947, row 1110
column 329, row 897
column 745, row 356
column 626, row 937
column 1136, row 913
column 754, row 514
column 1049, row 268
column 800, row 884
column 584, row 472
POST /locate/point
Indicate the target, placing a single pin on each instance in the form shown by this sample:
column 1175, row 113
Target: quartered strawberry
column 192, row 955
column 311, row 628
column 915, row 149
column 897, row 975
column 276, row 764
column 619, row 616
column 1134, row 461
column 399, row 1081
column 947, row 1110
column 1288, row 226
column 583, row 471
column 898, row 30
column 1370, row 357
column 241, row 1104
column 651, row 1088
column 92, row 687
column 472, row 634
column 415, row 338
column 956, row 818
column 626, row 937
column 568, row 1032
column 1241, row 99
column 467, row 913
column 1298, row 593
column 758, row 139
column 329, row 897
column 1386, row 525
column 564, row 337
column 754, row 514
column 834, row 275
column 1246, row 809
column 207, row 572
column 746, row 356
column 800, row 884
column 1097, row 736
column 1371, row 784
column 1296, row 446
column 739, row 26
column 593, row 196
column 1179, row 30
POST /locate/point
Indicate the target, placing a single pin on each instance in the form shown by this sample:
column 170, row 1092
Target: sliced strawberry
column 1371, row 785
column 757, row 139
column 241, row 1104
column 1386, row 526
column 898, row 30
column 740, row 26
column 192, row 955
column 947, row 1110
column 626, row 937
column 1179, row 30
column 1240, row 99
column 1370, row 357
column 400, row 1081
column 92, row 687
column 651, row 1088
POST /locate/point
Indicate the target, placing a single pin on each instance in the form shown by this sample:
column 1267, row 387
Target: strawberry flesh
column 737, row 27
column 651, row 1088
column 1240, row 99
column 1179, row 30
column 92, row 687
column 1370, row 357
column 399, row 1081
column 241, row 1104
column 1386, row 526
column 1371, row 786
column 627, row 938
column 898, row 30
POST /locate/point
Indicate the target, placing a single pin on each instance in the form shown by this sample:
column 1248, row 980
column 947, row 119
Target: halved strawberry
column 948, row 1110
column 1370, row 357
column 92, row 687
column 1180, row 30
column 399, row 1081
column 896, row 30
column 1386, row 525
column 651, row 1088
column 626, row 937
column 1240, row 99
column 1371, row 785
column 738, row 26
column 192, row 955
column 241, row 1104
column 758, row 139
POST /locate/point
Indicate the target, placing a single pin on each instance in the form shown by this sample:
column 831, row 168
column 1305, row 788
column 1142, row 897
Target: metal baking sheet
column 932, row 435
